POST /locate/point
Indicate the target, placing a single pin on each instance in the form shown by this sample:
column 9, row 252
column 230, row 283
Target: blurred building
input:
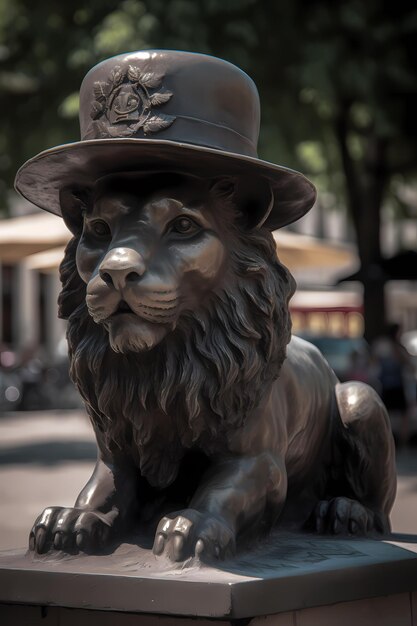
column 29, row 287
column 322, row 310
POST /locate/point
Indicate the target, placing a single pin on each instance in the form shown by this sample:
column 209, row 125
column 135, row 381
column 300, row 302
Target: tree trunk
column 365, row 187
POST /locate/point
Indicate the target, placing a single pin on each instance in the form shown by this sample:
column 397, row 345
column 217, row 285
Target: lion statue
column 212, row 424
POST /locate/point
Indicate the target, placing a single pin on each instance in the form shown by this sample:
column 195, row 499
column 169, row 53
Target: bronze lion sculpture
column 211, row 422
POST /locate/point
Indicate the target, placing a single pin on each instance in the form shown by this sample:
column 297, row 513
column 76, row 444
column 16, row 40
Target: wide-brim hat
column 169, row 111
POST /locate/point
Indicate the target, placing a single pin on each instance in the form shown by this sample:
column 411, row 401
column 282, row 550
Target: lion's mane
column 203, row 380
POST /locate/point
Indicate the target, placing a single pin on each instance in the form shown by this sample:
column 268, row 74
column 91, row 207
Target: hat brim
column 81, row 163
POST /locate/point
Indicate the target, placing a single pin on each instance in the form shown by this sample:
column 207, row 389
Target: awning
column 304, row 252
column 46, row 261
column 22, row 236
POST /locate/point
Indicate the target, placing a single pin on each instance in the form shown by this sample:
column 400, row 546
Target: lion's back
column 307, row 358
column 308, row 384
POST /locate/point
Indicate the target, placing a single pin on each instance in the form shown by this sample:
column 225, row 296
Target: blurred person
column 394, row 370
column 31, row 374
column 10, row 383
column 362, row 368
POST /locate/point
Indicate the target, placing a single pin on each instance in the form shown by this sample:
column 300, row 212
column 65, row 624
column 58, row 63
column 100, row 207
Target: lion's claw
column 199, row 548
column 345, row 516
column 190, row 533
column 70, row 529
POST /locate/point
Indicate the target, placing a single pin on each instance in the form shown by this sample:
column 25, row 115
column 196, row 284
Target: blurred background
column 338, row 89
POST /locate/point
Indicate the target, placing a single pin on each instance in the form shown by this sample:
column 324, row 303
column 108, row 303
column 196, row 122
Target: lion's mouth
column 136, row 330
column 123, row 308
column 144, row 312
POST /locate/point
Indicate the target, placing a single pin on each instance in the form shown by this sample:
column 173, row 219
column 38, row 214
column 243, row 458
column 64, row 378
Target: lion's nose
column 121, row 266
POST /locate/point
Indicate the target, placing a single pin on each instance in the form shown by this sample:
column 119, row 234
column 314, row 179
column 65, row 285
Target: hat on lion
column 168, row 111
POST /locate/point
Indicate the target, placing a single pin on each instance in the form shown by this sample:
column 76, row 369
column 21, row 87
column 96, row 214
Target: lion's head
column 148, row 255
column 174, row 306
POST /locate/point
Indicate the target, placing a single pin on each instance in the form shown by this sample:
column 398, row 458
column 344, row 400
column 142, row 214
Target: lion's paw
column 189, row 533
column 345, row 516
column 71, row 529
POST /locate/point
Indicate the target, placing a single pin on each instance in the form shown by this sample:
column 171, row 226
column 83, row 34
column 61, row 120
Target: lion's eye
column 184, row 226
column 100, row 228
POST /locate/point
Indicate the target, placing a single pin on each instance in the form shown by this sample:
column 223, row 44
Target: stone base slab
column 291, row 579
column 386, row 611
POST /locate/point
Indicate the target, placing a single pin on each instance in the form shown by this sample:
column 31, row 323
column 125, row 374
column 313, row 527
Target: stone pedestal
column 292, row 580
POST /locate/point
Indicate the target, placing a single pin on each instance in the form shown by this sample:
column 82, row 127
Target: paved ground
column 45, row 459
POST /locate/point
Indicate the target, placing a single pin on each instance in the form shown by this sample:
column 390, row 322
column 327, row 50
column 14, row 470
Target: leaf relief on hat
column 128, row 98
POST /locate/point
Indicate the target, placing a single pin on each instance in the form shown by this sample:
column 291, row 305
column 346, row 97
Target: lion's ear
column 255, row 199
column 73, row 203
column 251, row 195
column 224, row 187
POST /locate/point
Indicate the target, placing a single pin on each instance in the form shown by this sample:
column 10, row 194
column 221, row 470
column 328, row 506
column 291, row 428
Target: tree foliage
column 337, row 80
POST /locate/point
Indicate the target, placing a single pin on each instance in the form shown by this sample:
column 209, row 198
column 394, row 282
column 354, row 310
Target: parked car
column 349, row 357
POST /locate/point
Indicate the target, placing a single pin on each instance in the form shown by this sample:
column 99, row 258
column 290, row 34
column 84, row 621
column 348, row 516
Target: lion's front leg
column 237, row 495
column 103, row 510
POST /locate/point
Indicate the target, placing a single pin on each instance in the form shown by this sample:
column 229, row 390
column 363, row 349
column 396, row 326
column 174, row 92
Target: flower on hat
column 125, row 98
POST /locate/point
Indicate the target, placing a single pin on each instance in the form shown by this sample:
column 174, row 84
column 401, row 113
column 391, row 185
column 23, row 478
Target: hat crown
column 169, row 111
column 171, row 95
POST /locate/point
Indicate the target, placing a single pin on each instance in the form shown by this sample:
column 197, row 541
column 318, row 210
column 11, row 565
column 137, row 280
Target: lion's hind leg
column 363, row 483
column 346, row 516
